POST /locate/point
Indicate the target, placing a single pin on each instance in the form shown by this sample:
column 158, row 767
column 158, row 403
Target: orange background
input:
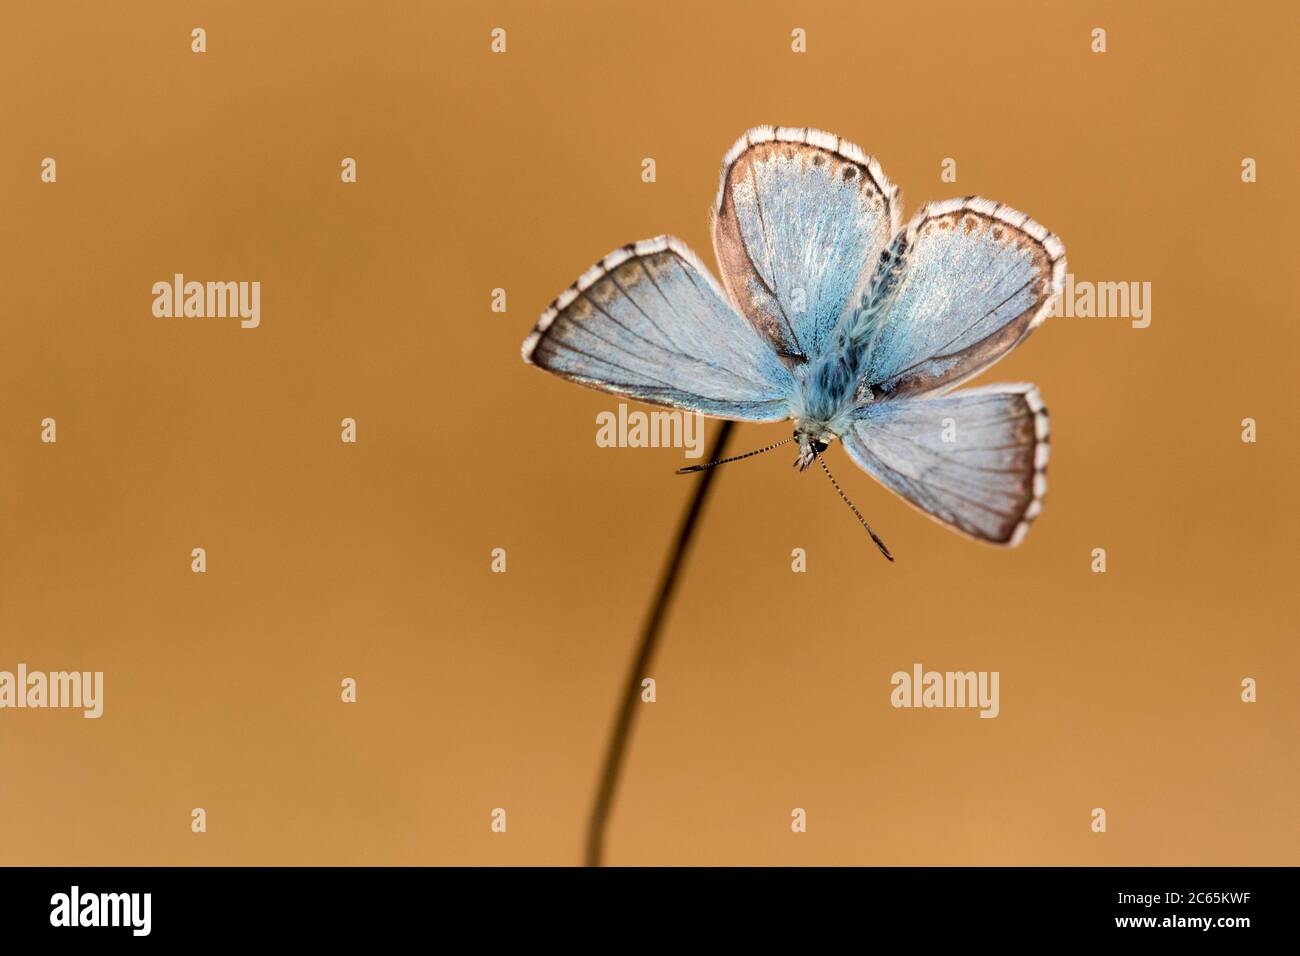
column 481, row 690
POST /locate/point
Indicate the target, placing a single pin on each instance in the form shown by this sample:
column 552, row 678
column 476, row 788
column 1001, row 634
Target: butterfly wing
column 966, row 281
column 975, row 460
column 649, row 322
column 800, row 219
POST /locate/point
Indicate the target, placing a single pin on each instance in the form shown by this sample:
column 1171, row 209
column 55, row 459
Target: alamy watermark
column 82, row 690
column 658, row 429
column 180, row 299
column 922, row 688
column 1103, row 300
column 75, row 908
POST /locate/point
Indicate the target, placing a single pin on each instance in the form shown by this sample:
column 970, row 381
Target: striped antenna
column 722, row 461
column 854, row 508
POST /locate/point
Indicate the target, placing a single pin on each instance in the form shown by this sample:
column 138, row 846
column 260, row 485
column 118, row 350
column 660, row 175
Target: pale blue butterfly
column 839, row 319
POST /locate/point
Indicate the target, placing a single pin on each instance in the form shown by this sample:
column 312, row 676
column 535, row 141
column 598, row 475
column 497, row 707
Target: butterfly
column 833, row 314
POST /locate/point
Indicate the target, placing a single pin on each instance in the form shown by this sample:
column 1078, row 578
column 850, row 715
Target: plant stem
column 621, row 735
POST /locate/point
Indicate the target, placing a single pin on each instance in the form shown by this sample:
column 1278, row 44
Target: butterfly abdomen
column 859, row 323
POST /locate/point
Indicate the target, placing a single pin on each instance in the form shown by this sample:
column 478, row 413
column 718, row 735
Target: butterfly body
column 835, row 315
column 826, row 394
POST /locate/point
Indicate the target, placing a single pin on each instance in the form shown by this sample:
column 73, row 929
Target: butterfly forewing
column 973, row 278
column 800, row 219
column 650, row 323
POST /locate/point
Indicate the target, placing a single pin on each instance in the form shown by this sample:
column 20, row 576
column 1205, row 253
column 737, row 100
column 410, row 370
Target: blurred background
column 478, row 171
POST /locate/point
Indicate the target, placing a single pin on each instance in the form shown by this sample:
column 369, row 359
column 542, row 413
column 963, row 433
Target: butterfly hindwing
column 650, row 323
column 975, row 460
column 966, row 281
column 800, row 218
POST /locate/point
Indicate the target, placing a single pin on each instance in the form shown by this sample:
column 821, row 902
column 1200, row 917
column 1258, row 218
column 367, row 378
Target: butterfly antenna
column 722, row 461
column 854, row 508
